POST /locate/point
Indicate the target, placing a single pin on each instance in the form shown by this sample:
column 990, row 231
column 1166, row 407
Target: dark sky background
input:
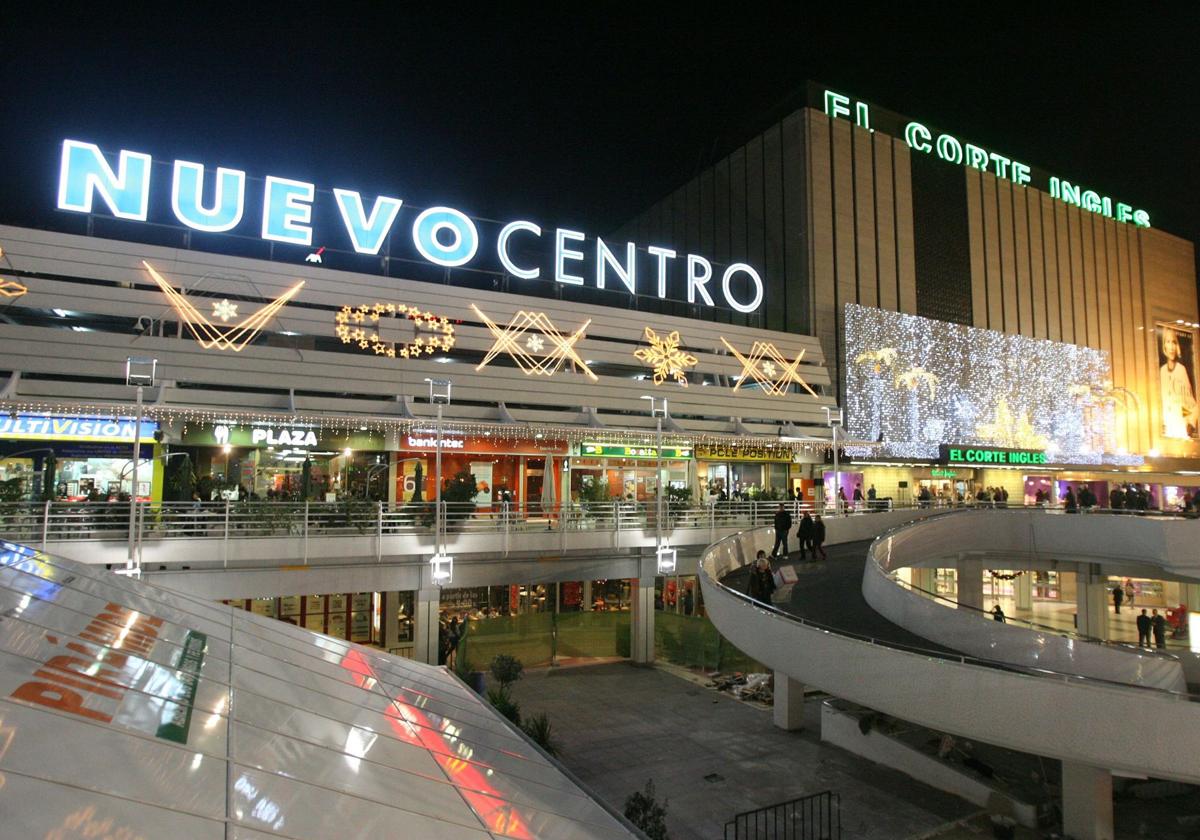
column 582, row 116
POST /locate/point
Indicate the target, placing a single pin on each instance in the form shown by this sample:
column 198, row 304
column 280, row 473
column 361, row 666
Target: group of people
column 1147, row 624
column 811, row 533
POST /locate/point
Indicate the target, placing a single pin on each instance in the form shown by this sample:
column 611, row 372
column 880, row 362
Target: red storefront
column 505, row 469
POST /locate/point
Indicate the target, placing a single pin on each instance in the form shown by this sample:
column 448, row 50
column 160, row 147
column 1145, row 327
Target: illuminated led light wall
column 913, row 383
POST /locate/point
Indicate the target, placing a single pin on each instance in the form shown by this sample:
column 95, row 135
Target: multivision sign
column 216, row 202
column 952, row 150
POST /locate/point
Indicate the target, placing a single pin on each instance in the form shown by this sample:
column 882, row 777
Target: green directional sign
column 177, row 714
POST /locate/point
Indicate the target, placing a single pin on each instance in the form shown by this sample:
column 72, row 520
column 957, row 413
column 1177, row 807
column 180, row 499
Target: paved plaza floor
column 712, row 756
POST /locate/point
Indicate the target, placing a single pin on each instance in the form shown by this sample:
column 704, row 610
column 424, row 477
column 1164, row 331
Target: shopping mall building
column 980, row 322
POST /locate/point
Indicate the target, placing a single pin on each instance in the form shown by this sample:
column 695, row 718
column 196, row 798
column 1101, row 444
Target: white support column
column 586, row 602
column 789, row 703
column 1023, row 589
column 641, row 624
column 391, row 627
column 1091, row 600
column 425, row 626
column 970, row 582
column 1087, row 802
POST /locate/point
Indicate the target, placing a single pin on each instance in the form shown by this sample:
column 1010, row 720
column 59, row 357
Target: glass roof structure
column 130, row 711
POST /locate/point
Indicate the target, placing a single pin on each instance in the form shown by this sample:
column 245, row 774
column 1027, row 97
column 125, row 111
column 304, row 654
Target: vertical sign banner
column 1177, row 381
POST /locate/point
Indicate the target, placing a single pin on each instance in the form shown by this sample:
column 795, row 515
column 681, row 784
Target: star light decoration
column 768, row 367
column 526, row 335
column 666, row 357
column 360, row 325
column 207, row 334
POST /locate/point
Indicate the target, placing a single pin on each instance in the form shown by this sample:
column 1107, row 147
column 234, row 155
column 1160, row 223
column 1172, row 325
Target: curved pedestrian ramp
column 129, row 711
column 1084, row 721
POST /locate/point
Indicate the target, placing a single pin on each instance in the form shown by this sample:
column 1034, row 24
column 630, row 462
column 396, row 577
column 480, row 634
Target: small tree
column 506, row 670
column 643, row 811
column 459, row 495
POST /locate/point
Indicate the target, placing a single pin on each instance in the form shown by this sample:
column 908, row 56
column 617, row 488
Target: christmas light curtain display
column 914, row 383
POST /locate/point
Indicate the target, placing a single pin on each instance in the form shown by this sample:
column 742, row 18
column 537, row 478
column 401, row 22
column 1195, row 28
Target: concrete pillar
column 641, row 624
column 1023, row 589
column 970, row 582
column 789, row 703
column 425, row 625
column 1189, row 595
column 586, row 604
column 1087, row 802
column 925, row 579
column 1091, row 600
column 391, row 627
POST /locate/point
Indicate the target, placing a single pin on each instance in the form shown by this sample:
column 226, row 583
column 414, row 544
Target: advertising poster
column 1177, row 381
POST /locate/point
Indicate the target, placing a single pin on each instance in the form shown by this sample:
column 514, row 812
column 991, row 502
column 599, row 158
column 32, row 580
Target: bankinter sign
column 984, row 456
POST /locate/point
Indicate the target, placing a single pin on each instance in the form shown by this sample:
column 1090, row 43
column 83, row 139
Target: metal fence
column 814, row 817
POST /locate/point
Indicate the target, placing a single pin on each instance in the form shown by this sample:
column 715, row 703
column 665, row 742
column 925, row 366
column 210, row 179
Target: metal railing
column 817, row 816
column 42, row 522
column 944, row 654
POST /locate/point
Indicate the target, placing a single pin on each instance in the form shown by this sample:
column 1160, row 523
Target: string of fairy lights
column 186, row 417
column 913, row 383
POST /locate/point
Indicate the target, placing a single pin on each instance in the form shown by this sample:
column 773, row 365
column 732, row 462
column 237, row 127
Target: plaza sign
column 984, row 456
column 216, row 203
column 952, row 150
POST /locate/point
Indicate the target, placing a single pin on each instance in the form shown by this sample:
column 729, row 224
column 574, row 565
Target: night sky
column 583, row 120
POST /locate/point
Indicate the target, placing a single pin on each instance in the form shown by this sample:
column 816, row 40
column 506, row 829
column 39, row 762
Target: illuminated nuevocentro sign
column 216, row 203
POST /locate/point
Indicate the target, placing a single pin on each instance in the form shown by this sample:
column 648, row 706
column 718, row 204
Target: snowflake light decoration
column 666, row 357
column 225, row 310
column 435, row 332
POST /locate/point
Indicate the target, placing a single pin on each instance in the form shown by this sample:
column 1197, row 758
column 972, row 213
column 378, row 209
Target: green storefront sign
column 604, row 450
column 982, row 456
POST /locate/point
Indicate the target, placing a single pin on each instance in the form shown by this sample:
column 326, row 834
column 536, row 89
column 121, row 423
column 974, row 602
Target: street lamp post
column 441, row 566
column 664, row 555
column 139, row 372
column 834, row 419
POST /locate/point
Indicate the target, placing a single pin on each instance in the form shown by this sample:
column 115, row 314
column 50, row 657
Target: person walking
column 1116, row 498
column 1129, row 593
column 858, row 496
column 805, row 534
column 819, row 537
column 998, row 614
column 783, row 524
column 762, row 582
column 1118, row 595
column 1143, row 628
column 1069, row 501
column 1158, row 624
column 871, row 498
